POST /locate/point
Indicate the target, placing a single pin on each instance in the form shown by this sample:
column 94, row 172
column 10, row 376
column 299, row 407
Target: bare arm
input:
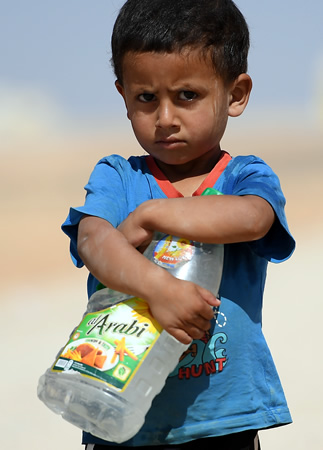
column 181, row 307
column 210, row 219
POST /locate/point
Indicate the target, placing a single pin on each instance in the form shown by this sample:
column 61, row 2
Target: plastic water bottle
column 118, row 358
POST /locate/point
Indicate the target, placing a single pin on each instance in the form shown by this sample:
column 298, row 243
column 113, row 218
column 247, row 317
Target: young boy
column 181, row 70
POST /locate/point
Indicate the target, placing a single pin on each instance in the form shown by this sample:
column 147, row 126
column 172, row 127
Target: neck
column 186, row 178
column 197, row 168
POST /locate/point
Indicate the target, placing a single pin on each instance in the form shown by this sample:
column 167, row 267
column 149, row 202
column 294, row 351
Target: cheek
column 202, row 123
column 208, row 126
column 217, row 115
column 141, row 125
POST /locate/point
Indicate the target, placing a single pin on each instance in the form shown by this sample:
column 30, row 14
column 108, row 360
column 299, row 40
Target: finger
column 209, row 298
column 213, row 301
column 206, row 313
column 180, row 335
column 196, row 333
column 197, row 327
column 200, row 317
column 202, row 324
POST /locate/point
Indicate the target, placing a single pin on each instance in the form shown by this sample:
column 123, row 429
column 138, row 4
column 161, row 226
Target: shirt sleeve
column 105, row 198
column 255, row 177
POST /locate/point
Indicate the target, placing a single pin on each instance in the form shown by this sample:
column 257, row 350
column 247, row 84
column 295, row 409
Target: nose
column 167, row 115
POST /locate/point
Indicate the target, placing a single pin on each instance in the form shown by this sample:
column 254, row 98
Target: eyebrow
column 185, row 86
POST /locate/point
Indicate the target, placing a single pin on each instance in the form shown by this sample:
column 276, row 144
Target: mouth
column 169, row 142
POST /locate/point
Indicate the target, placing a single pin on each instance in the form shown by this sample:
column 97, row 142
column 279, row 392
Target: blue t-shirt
column 226, row 382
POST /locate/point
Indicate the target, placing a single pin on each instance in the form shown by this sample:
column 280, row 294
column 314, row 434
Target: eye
column 146, row 97
column 187, row 95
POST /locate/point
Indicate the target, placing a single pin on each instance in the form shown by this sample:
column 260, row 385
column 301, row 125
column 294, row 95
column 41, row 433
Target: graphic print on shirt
column 205, row 356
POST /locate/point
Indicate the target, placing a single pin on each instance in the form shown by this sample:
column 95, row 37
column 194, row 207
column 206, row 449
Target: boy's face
column 177, row 105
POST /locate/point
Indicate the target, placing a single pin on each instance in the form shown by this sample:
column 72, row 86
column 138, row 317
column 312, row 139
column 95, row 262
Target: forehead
column 178, row 64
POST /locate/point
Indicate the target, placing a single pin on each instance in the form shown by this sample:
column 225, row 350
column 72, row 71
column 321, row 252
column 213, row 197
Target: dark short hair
column 215, row 26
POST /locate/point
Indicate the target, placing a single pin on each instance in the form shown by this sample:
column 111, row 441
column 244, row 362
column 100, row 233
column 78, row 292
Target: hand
column 138, row 236
column 183, row 309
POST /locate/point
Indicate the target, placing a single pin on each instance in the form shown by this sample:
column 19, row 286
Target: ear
column 240, row 93
column 121, row 91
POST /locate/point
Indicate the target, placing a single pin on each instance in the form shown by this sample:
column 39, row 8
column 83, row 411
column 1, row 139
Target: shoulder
column 118, row 162
column 248, row 172
column 115, row 169
column 247, row 162
column 250, row 175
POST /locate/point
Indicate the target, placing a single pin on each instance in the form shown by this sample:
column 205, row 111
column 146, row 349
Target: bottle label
column 111, row 344
column 171, row 252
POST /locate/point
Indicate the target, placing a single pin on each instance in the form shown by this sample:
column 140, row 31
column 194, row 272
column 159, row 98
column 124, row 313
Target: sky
column 55, row 69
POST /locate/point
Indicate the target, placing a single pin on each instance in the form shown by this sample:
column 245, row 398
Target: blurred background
column 60, row 113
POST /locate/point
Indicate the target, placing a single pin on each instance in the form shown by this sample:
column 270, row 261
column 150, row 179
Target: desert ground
column 43, row 296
